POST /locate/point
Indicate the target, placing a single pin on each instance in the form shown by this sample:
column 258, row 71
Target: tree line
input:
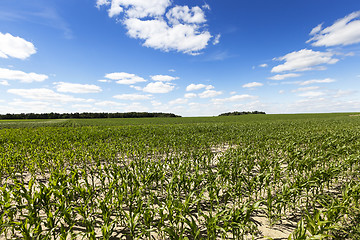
column 240, row 113
column 85, row 115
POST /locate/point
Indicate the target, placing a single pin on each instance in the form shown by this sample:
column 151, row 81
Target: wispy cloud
column 9, row 74
column 40, row 12
column 76, row 88
column 163, row 78
column 125, row 78
column 44, row 94
column 209, row 94
column 132, row 97
column 326, row 80
column 284, row 76
column 344, row 31
column 252, row 85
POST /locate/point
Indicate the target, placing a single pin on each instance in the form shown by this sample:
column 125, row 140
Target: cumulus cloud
column 125, row 78
column 163, row 78
column 15, row 47
column 100, row 3
column 304, row 60
column 344, row 31
column 209, row 94
column 133, row 97
column 44, row 94
column 158, row 87
column 194, row 87
column 252, row 85
column 138, row 8
column 160, row 26
column 184, row 14
column 76, row 88
column 326, row 80
column 8, row 74
column 158, row 34
column 264, row 65
column 284, row 76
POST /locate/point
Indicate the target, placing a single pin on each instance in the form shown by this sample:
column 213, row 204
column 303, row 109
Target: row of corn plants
column 203, row 180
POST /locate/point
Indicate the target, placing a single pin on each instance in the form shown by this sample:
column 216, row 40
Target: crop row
column 214, row 180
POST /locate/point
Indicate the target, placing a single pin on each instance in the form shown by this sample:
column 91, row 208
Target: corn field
column 245, row 177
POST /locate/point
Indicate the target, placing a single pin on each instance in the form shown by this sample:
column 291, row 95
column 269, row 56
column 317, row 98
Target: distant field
column 292, row 176
column 184, row 120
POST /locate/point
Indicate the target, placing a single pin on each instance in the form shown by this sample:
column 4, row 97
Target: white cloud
column 184, row 14
column 209, row 94
column 305, row 89
column 252, row 85
column 163, row 78
column 4, row 83
column 217, row 39
column 109, row 104
column 344, row 31
column 194, row 87
column 342, row 93
column 284, row 76
column 8, row 74
column 133, row 97
column 136, row 87
column 15, row 47
column 206, row 6
column 326, row 80
column 264, row 65
column 125, row 78
column 190, row 95
column 100, row 3
column 281, row 91
column 44, row 94
column 178, row 101
column 158, row 34
column 139, row 8
column 161, row 26
column 136, row 107
column 76, row 88
column 311, row 94
column 316, row 29
column 104, row 80
column 158, row 87
column 235, row 98
column 156, row 103
column 304, row 60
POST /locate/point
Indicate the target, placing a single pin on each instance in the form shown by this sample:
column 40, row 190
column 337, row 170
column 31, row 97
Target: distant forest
column 240, row 113
column 85, row 115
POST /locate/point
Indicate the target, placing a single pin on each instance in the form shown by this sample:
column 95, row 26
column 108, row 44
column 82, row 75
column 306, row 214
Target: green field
column 237, row 177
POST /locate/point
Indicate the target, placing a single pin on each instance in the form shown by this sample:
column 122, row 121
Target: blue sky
column 193, row 58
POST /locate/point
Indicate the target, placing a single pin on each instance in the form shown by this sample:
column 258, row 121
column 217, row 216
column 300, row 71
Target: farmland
column 236, row 177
